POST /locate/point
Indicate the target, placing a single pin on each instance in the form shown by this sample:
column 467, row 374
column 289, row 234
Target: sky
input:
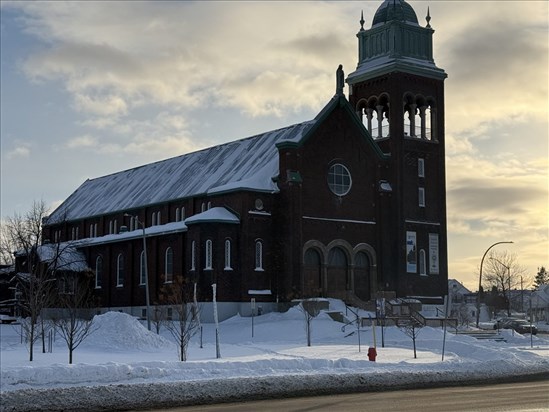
column 90, row 88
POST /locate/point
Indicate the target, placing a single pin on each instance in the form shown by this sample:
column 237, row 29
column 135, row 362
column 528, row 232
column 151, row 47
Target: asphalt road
column 523, row 396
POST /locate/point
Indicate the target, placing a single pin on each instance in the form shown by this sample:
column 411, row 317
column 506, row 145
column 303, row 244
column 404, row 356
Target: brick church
column 345, row 205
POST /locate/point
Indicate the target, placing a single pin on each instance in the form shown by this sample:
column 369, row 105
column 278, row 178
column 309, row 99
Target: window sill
column 228, row 269
column 168, row 282
column 98, row 287
column 119, row 286
column 259, row 270
column 208, row 269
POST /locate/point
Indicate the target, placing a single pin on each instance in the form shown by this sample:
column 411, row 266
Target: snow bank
column 118, row 331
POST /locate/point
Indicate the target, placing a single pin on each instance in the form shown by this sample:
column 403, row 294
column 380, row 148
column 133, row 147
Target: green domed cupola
column 395, row 42
column 394, row 10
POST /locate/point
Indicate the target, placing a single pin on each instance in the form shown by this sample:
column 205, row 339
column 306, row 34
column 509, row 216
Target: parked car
column 7, row 319
column 520, row 326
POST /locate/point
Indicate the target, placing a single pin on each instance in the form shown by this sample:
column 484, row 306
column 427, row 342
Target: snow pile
column 117, row 331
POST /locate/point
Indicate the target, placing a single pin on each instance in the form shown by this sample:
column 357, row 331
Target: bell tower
column 398, row 93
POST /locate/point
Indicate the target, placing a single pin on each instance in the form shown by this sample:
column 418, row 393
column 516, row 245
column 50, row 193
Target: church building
column 346, row 205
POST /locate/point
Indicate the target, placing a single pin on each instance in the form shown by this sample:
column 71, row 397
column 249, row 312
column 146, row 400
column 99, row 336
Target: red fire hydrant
column 372, row 353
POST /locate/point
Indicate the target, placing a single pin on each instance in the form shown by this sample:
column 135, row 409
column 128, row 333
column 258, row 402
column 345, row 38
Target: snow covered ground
column 123, row 365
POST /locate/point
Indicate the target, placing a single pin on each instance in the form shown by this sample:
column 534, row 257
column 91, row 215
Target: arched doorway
column 312, row 274
column 362, row 276
column 337, row 271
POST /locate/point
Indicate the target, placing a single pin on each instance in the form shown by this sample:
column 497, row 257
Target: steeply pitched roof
column 247, row 164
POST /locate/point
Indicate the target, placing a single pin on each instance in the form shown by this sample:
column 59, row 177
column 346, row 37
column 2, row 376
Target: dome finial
column 428, row 18
column 362, row 20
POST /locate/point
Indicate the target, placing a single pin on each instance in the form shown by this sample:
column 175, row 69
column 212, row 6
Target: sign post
column 252, row 305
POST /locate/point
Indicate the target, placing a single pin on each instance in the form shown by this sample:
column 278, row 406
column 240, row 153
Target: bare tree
column 179, row 296
column 158, row 317
column 411, row 329
column 503, row 272
column 76, row 302
column 310, row 309
column 23, row 234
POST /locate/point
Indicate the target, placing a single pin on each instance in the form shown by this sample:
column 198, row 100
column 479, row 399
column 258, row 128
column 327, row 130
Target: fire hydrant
column 372, row 353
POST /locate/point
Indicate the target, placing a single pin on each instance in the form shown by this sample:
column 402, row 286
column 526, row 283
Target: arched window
column 203, row 207
column 115, row 226
column 228, row 255
column 110, row 227
column 142, row 269
column 153, row 219
column 258, row 255
column 209, row 205
column 312, row 273
column 182, row 213
column 168, row 264
column 158, row 218
column 98, row 271
column 177, row 214
column 337, row 270
column 77, row 235
column 422, row 265
column 120, row 270
column 91, row 230
column 208, row 263
column 193, row 255
column 362, row 276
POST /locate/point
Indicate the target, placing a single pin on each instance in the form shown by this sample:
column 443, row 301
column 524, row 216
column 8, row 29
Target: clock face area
column 339, row 179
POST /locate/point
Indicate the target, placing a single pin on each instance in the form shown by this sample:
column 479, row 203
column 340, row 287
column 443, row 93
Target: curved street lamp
column 480, row 276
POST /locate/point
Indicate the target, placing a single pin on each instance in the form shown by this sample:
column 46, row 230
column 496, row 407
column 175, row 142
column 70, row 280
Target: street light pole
column 480, row 277
column 146, row 271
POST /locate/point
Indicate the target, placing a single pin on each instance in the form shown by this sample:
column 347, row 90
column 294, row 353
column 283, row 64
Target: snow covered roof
column 247, row 164
column 63, row 256
column 213, row 215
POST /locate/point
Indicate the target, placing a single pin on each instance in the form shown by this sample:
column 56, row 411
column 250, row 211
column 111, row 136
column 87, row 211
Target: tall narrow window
column 177, row 215
column 115, row 226
column 208, row 256
column 158, row 218
column 422, row 266
column 120, row 270
column 98, row 271
column 421, row 167
column 203, row 208
column 182, row 213
column 77, row 235
column 91, row 230
column 209, row 205
column 193, row 255
column 228, row 255
column 95, row 230
column 168, row 264
column 142, row 269
column 110, row 227
column 258, row 255
column 153, row 219
column 421, row 195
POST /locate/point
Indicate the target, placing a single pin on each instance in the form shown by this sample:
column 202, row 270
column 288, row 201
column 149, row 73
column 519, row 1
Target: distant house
column 539, row 304
column 344, row 205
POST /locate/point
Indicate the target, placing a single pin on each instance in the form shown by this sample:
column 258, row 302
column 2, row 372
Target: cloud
column 19, row 152
column 81, row 142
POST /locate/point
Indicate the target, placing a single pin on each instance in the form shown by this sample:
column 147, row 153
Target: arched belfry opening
column 419, row 117
column 374, row 113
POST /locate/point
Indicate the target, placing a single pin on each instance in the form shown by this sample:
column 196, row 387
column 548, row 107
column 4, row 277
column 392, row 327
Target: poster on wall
column 433, row 253
column 411, row 252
